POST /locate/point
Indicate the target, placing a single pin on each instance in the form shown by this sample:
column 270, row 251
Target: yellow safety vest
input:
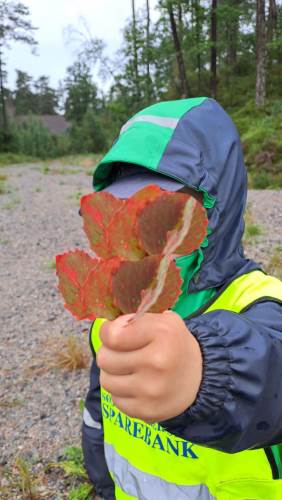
column 148, row 463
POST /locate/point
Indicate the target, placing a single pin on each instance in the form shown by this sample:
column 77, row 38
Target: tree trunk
column 2, row 97
column 272, row 20
column 135, row 50
column 261, row 53
column 196, row 5
column 180, row 21
column 184, row 85
column 148, row 74
column 214, row 48
column 232, row 35
column 271, row 28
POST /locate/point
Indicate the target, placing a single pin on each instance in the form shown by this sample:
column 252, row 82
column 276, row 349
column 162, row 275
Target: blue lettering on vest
column 187, row 451
column 137, row 430
column 118, row 420
column 128, row 423
column 105, row 410
column 153, row 435
column 172, row 446
column 147, row 437
column 158, row 443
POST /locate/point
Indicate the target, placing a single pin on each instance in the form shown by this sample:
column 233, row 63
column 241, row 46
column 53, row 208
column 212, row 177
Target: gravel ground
column 40, row 407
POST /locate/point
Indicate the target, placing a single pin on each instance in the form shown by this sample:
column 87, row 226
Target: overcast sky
column 106, row 19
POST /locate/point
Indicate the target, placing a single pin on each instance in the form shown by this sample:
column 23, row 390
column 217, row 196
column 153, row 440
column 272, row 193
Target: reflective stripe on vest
column 144, row 486
column 138, row 454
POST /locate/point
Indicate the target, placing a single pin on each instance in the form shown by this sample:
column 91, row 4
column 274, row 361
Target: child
column 190, row 401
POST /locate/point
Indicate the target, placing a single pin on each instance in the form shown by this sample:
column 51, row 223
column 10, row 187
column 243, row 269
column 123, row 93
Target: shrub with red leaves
column 135, row 242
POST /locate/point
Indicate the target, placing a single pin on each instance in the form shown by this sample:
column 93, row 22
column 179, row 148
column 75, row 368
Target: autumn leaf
column 72, row 270
column 123, row 232
column 97, row 291
column 97, row 210
column 123, row 239
column 164, row 217
column 133, row 281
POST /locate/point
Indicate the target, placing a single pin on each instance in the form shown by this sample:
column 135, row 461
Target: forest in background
column 227, row 49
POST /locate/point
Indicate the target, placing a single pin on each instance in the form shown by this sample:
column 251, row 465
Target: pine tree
column 15, row 26
column 214, row 48
column 184, row 85
column 24, row 97
column 261, row 53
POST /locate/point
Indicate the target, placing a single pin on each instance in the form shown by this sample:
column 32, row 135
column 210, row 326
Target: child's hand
column 151, row 367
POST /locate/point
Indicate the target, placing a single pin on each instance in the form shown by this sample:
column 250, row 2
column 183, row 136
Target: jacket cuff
column 217, row 373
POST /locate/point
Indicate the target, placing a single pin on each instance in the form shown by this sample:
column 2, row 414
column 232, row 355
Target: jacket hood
column 195, row 142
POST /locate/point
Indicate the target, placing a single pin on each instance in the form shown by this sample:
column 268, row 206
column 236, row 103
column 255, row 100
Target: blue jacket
column 239, row 405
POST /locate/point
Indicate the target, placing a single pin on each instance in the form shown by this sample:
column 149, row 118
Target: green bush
column 260, row 131
column 263, row 180
column 13, row 158
column 87, row 136
column 33, row 139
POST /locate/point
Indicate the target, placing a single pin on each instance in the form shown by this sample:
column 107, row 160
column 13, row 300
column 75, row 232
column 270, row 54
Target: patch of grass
column 252, row 229
column 260, row 131
column 264, row 180
column 66, row 354
column 85, row 161
column 83, row 492
column 274, row 266
column 13, row 403
column 14, row 201
column 3, row 186
column 56, row 168
column 38, row 189
column 20, row 481
column 72, row 463
column 14, row 159
column 45, row 169
column 51, row 265
column 3, row 189
column 66, row 171
column 76, row 196
column 28, row 481
column 73, row 467
column 48, row 168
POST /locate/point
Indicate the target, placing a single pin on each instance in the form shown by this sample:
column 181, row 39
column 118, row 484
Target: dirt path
column 39, row 407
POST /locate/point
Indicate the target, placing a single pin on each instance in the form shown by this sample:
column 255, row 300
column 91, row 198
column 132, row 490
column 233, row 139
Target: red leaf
column 168, row 296
column 124, row 241
column 133, row 282
column 165, row 217
column 72, row 270
column 196, row 233
column 97, row 291
column 97, row 210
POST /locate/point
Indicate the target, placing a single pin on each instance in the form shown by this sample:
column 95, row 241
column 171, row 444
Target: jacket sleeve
column 239, row 404
column 93, row 439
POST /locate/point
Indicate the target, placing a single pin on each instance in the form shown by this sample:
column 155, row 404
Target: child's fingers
column 117, row 362
column 119, row 386
column 118, row 335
